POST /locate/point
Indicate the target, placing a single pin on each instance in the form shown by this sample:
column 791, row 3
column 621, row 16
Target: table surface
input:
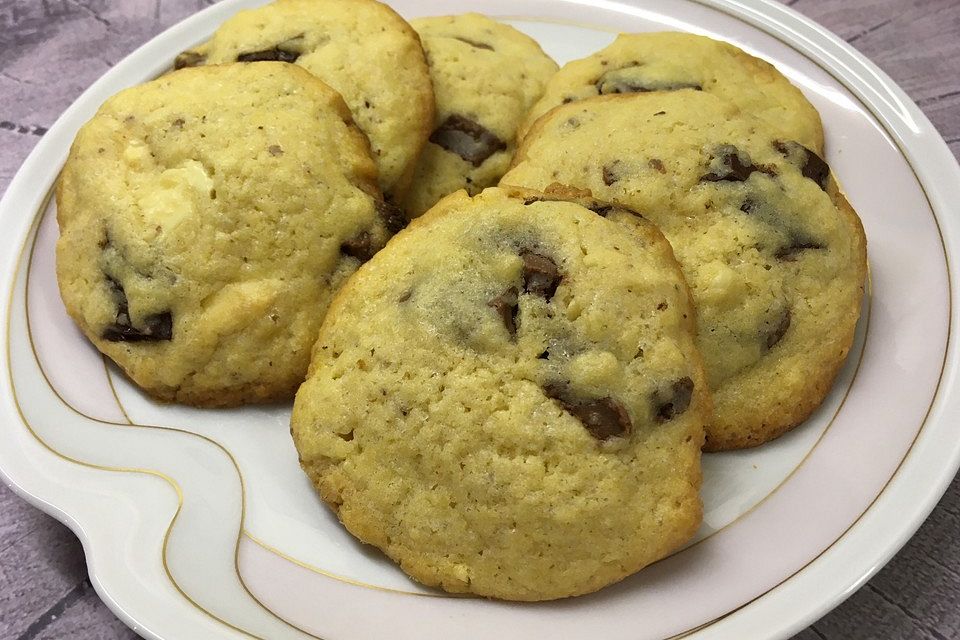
column 52, row 50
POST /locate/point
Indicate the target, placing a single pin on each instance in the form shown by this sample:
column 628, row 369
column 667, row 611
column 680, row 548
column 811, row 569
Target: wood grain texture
column 51, row 50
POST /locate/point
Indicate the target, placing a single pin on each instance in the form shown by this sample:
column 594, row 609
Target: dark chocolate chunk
column 613, row 172
column 817, row 170
column 602, row 210
column 811, row 165
column 669, row 404
column 392, row 216
column 776, row 333
column 359, row 247
column 616, row 81
column 604, row 418
column 120, row 333
column 156, row 327
column 729, row 166
column 789, row 252
column 505, row 305
column 275, row 54
column 474, row 43
column 540, row 274
column 657, row 165
column 159, row 326
column 188, row 59
column 468, row 139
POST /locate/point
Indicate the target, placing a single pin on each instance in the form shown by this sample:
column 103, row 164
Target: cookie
column 485, row 414
column 774, row 254
column 361, row 48
column 643, row 62
column 206, row 219
column 486, row 76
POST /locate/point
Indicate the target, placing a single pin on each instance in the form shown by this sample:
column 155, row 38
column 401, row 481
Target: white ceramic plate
column 199, row 524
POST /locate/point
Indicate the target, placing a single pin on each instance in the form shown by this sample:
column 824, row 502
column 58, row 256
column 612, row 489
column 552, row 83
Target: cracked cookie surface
column 486, row 76
column 774, row 254
column 362, row 49
column 518, row 411
column 203, row 236
column 669, row 61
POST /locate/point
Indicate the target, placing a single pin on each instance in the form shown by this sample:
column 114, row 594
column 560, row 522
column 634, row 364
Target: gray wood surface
column 51, row 50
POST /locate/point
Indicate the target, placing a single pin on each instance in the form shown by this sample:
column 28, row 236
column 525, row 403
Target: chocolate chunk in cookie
column 155, row 328
column 789, row 252
column 540, row 275
column 613, row 171
column 360, row 247
column 506, row 306
column 269, row 55
column 602, row 210
column 670, row 403
column 287, row 51
column 603, row 418
column 729, row 164
column 629, row 80
column 468, row 139
column 392, row 216
column 811, row 165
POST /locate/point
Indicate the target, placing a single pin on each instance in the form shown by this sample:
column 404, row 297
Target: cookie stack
column 510, row 396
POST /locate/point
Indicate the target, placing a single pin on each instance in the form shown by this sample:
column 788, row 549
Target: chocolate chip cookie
column 486, row 76
column 206, row 220
column 361, row 48
column 644, row 62
column 516, row 412
column 774, row 254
